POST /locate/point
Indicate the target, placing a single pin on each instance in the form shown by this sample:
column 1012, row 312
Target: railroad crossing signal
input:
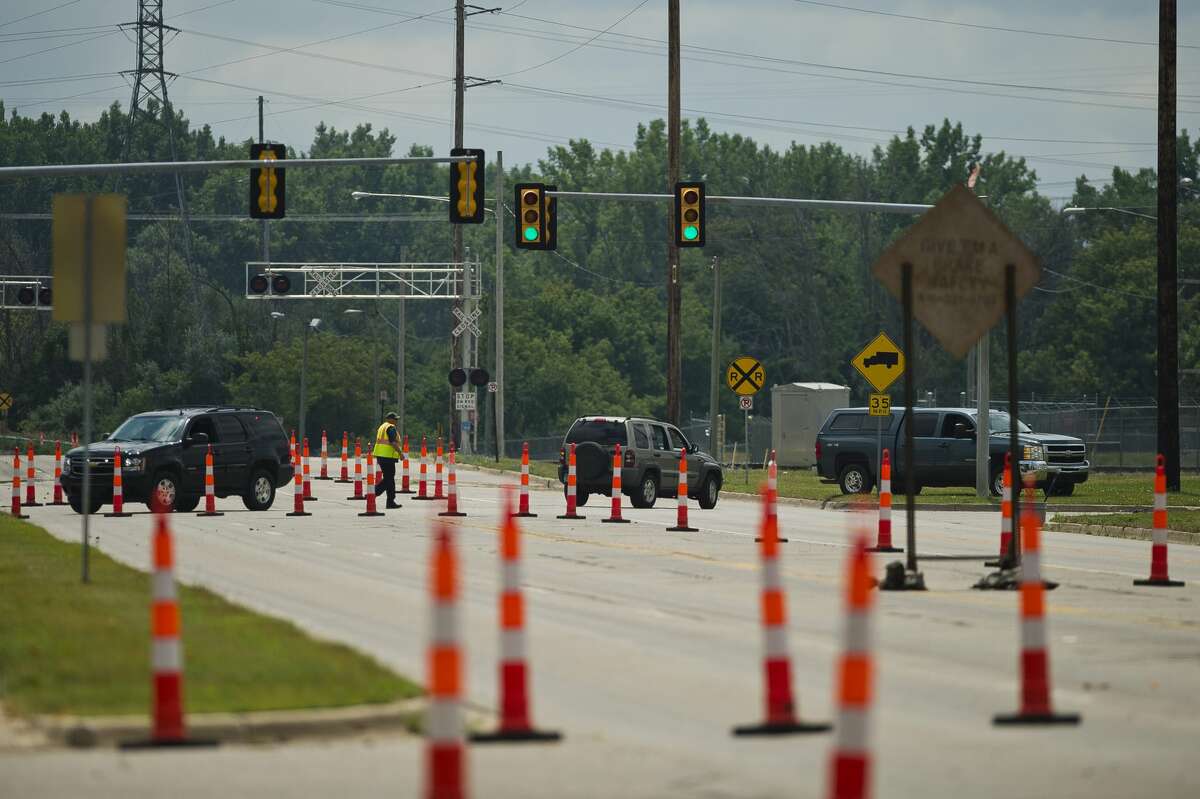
column 881, row 362
column 466, row 188
column 689, row 214
column 745, row 376
column 267, row 185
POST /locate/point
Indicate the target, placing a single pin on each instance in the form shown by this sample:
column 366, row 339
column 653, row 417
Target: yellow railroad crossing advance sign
column 881, row 362
column 5, row 401
column 745, row 375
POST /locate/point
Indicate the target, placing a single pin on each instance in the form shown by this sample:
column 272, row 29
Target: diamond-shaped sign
column 881, row 362
column 958, row 250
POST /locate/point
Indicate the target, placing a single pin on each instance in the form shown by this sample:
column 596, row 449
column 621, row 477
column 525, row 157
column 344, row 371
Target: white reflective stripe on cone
column 857, row 633
column 1033, row 634
column 443, row 721
column 775, row 641
column 445, row 624
column 885, row 486
column 512, row 645
column 770, row 574
column 1160, row 501
column 162, row 585
column 885, row 512
column 1159, row 536
column 852, row 731
column 1006, row 524
column 166, row 654
column 510, row 574
column 1031, row 567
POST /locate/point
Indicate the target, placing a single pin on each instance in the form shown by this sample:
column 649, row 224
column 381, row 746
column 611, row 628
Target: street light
column 314, row 324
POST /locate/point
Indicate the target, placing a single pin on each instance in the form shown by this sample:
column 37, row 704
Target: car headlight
column 132, row 464
column 1033, row 453
column 66, row 467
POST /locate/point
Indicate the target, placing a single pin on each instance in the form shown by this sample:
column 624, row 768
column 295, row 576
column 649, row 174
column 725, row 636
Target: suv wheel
column 647, row 492
column 164, row 492
column 261, row 493
column 581, row 497
column 186, row 504
column 855, row 479
column 997, row 481
column 708, row 492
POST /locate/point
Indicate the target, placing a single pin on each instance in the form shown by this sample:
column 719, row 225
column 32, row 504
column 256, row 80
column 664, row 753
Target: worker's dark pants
column 388, row 481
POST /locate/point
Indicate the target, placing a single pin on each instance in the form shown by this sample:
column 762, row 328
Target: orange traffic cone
column 850, row 766
column 515, row 722
column 523, row 503
column 437, row 473
column 308, row 495
column 344, row 477
column 571, row 488
column 58, row 490
column 883, row 543
column 681, row 510
column 1035, row 655
column 358, row 473
column 16, row 485
column 452, row 489
column 1159, row 575
column 30, row 475
column 777, row 664
column 298, row 482
column 324, row 475
column 118, row 495
column 615, row 516
column 371, row 510
column 406, row 469
column 445, row 753
column 772, row 497
column 210, row 498
column 421, row 481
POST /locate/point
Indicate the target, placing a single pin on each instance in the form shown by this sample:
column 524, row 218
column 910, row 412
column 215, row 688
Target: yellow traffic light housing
column 531, row 220
column 689, row 214
column 466, row 188
column 267, row 184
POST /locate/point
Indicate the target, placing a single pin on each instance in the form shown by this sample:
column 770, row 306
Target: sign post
column 958, row 270
column 745, row 377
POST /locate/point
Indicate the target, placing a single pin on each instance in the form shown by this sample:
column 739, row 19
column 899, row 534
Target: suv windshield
column 999, row 422
column 149, row 428
column 603, row 431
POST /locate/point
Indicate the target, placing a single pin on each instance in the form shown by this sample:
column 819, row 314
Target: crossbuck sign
column 466, row 321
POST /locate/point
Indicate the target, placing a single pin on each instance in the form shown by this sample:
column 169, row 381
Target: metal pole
column 303, row 382
column 400, row 364
column 266, row 223
column 499, row 396
column 86, row 497
column 983, row 428
column 1168, row 241
column 910, row 481
column 674, row 288
column 1013, row 558
column 746, row 416
column 714, row 356
column 457, row 233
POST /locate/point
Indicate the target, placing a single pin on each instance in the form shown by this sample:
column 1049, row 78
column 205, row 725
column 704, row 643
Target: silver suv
column 649, row 461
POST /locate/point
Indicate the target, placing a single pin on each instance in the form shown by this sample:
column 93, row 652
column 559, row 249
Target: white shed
column 797, row 412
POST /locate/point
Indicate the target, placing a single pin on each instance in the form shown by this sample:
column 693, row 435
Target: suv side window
column 847, row 421
column 204, row 424
column 677, row 439
column 230, row 428
column 263, row 425
column 641, row 439
column 925, row 425
column 660, row 438
column 953, row 419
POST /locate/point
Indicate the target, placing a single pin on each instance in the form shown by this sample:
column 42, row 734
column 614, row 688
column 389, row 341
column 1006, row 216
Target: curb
column 273, row 725
column 1113, row 531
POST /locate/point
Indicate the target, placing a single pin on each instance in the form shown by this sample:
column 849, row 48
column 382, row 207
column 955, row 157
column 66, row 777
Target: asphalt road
column 645, row 651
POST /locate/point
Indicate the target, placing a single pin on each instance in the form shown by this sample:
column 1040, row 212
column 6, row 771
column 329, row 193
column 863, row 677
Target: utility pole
column 715, row 371
column 457, row 257
column 266, row 223
column 400, row 358
column 1168, row 239
column 674, row 290
column 499, row 300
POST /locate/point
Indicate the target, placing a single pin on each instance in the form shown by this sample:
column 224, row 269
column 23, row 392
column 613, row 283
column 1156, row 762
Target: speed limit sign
column 746, row 403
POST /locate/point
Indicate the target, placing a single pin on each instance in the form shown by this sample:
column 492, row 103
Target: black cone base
column 369, row 513
column 173, row 743
column 525, row 515
column 309, row 499
column 614, row 521
column 54, row 504
column 354, row 499
column 298, row 513
column 781, row 539
column 322, row 478
column 424, row 499
column 678, row 529
column 449, row 513
column 344, row 482
column 790, row 728
column 206, row 513
column 570, row 516
column 1168, row 583
column 1007, row 720
column 885, row 549
column 120, row 515
column 31, row 504
column 515, row 736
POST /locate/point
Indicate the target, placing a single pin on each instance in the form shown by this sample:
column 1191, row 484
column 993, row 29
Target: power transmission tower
column 149, row 87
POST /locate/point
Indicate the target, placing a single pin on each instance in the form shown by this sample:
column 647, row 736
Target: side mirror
column 104, row 436
column 962, row 431
column 693, row 447
column 197, row 439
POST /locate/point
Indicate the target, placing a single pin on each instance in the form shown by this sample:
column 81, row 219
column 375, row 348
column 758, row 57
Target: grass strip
column 1184, row 520
column 66, row 647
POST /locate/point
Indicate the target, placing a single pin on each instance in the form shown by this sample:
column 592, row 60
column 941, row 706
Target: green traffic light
column 691, row 232
column 531, row 234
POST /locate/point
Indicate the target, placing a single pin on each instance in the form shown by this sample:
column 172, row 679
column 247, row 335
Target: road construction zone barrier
column 298, row 483
column 293, row 446
column 523, row 502
column 371, row 510
column 58, row 491
column 850, row 764
column 780, row 716
column 210, row 497
column 772, row 497
column 30, row 476
column 423, row 474
column 167, row 726
column 16, row 485
column 1006, row 498
column 324, row 475
column 445, row 751
column 118, row 491
column 681, row 510
column 883, row 541
column 452, row 489
column 516, row 722
column 1159, row 575
column 358, row 473
column 1035, row 653
column 405, row 469
column 437, row 473
column 614, row 516
column 571, row 487
column 344, row 476
column 308, row 494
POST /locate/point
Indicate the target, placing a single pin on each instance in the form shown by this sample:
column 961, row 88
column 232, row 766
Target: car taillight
column 630, row 457
column 818, row 450
column 562, row 456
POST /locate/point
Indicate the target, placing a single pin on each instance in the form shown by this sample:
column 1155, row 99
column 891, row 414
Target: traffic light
column 550, row 214
column 689, row 214
column 266, row 185
column 466, row 188
column 531, row 220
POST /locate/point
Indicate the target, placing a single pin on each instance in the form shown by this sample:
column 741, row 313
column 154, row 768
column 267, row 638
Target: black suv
column 162, row 458
column 649, row 465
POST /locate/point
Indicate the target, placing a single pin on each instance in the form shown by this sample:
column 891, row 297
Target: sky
column 1070, row 85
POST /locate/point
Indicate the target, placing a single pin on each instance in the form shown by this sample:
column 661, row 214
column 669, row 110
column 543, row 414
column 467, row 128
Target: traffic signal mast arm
column 831, row 205
column 69, row 170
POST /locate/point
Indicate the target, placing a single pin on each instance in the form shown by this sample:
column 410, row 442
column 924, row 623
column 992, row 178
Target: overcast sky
column 850, row 71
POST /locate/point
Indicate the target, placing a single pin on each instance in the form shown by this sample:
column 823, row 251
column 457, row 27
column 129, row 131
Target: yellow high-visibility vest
column 383, row 447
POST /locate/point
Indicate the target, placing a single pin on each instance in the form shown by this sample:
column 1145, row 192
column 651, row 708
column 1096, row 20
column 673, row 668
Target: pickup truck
column 943, row 450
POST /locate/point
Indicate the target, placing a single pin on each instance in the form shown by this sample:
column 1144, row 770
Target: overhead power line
column 579, row 47
column 39, row 13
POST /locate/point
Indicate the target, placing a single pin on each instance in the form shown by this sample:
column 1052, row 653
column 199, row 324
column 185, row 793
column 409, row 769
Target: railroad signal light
column 530, row 202
column 281, row 284
column 25, row 295
column 259, row 284
column 267, row 184
column 689, row 214
column 466, row 188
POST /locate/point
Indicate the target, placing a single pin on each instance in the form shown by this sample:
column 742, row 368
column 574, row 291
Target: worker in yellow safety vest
column 387, row 453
